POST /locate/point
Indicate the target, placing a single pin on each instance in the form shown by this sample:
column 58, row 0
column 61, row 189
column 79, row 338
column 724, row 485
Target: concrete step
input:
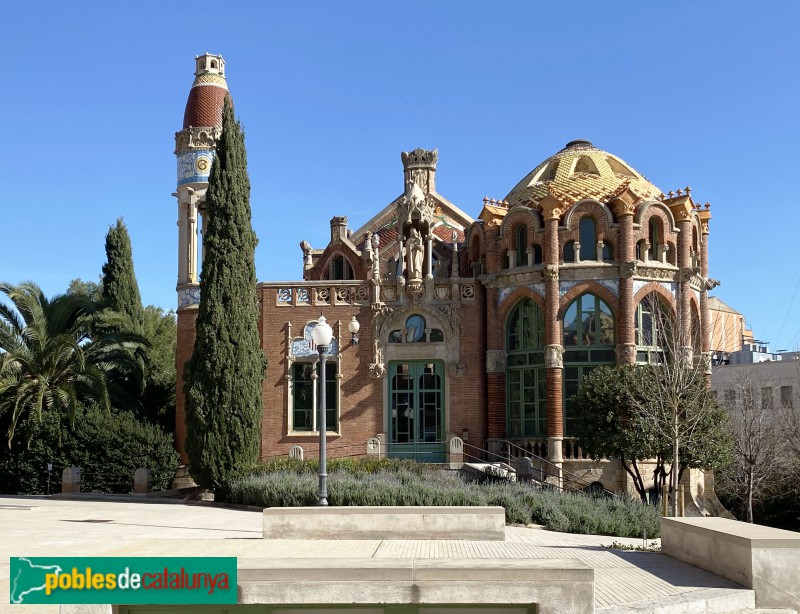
column 705, row 601
column 765, row 611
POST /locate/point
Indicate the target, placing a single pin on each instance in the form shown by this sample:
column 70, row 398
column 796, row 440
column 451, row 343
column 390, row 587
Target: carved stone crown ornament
column 419, row 158
column 197, row 138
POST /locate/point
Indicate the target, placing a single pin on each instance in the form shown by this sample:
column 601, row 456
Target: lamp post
column 322, row 335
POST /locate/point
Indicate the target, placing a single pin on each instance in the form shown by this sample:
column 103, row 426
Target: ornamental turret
column 194, row 148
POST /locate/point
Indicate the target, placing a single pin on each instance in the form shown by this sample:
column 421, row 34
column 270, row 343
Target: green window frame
column 526, row 399
column 649, row 320
column 589, row 341
column 306, row 382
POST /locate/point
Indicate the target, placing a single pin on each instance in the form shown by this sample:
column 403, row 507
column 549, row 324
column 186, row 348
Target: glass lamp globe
column 322, row 333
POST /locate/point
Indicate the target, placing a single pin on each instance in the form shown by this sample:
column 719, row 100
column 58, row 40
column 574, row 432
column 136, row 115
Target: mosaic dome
column 206, row 98
column 579, row 171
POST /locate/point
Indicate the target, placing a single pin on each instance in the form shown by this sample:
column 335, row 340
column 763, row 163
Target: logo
column 123, row 580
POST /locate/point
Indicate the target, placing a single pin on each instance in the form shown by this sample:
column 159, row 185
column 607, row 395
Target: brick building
column 478, row 328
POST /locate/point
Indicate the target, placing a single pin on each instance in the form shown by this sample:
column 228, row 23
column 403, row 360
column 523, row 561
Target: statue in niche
column 414, row 252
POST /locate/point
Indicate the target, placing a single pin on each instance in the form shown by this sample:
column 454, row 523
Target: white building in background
column 769, row 378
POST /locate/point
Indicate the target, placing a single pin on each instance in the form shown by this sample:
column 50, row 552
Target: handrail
column 563, row 473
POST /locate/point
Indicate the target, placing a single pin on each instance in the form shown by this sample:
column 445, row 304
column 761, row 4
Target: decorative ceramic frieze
column 188, row 297
column 194, row 166
column 304, row 346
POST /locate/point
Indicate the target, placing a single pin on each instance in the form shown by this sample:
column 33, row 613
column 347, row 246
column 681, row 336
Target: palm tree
column 48, row 360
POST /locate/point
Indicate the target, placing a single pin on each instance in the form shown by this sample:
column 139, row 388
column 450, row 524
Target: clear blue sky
column 705, row 94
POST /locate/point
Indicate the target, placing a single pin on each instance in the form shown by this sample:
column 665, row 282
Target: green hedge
column 108, row 448
column 293, row 484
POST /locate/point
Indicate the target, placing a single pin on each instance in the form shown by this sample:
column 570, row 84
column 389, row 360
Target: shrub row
column 396, row 484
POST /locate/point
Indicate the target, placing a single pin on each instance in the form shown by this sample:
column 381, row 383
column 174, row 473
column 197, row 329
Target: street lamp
column 354, row 327
column 322, row 335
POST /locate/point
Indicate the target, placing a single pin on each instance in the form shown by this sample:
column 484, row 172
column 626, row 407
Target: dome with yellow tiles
column 580, row 171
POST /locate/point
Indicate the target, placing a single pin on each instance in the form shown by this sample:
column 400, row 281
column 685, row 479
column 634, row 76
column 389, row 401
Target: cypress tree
column 223, row 377
column 120, row 289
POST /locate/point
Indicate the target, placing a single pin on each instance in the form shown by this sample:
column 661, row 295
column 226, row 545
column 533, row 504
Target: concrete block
column 554, row 585
column 473, row 523
column 762, row 558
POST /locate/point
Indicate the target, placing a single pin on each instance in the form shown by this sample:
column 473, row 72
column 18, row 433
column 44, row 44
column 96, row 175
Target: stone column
column 429, row 251
column 705, row 314
column 623, row 207
column 552, row 210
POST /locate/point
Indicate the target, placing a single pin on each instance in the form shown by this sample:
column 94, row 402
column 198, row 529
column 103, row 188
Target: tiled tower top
column 204, row 107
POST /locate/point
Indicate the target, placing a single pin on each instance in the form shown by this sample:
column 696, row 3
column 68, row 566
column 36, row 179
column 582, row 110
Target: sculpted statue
column 414, row 252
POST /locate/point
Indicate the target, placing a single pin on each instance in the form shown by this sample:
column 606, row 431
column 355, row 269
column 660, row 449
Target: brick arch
column 519, row 215
column 590, row 287
column 515, row 297
column 327, row 258
column 657, row 288
column 602, row 215
column 645, row 210
column 665, row 221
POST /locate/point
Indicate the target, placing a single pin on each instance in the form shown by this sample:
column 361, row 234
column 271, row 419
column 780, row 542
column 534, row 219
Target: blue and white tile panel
column 188, row 297
column 302, row 347
column 194, row 166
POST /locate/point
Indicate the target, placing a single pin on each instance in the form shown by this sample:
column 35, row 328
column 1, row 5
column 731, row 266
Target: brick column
column 623, row 208
column 554, row 364
column 183, row 352
column 495, row 342
column 683, row 216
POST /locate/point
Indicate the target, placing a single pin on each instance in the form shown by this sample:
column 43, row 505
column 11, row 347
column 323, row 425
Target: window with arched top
column 587, row 233
column 522, row 245
column 589, row 341
column 526, row 401
column 653, row 324
column 608, row 251
column 340, row 268
column 654, row 236
column 416, row 331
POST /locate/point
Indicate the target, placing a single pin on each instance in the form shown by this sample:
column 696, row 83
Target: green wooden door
column 416, row 410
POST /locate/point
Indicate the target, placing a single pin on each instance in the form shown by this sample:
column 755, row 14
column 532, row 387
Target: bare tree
column 675, row 401
column 759, row 447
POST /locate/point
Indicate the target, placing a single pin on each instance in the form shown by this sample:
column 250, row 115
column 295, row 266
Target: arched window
column 340, row 269
column 608, row 251
column 522, row 245
column 416, row 331
column 526, row 402
column 587, row 233
column 652, row 323
column 654, row 237
column 589, row 338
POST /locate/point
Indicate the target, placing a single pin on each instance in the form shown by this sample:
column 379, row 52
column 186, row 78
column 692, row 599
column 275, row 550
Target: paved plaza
column 57, row 527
